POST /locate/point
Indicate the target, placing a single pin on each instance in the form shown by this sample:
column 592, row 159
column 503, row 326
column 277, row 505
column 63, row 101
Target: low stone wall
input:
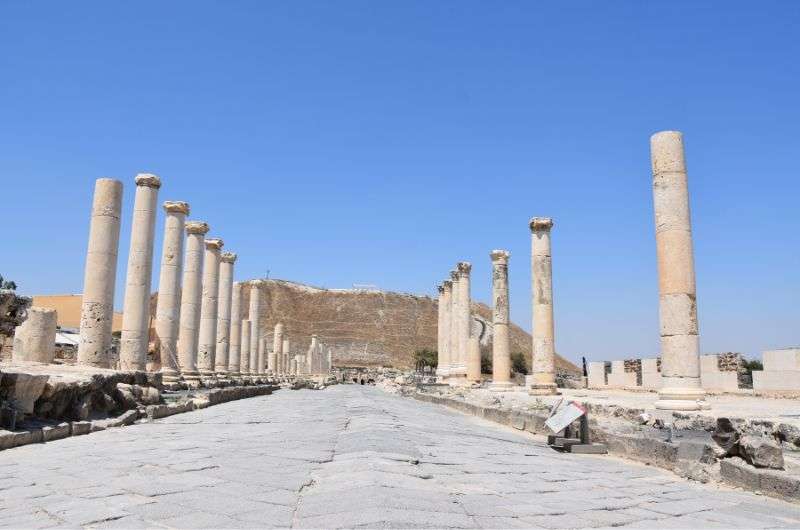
column 781, row 371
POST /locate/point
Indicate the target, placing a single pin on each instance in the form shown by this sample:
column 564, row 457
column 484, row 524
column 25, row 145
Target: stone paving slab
column 348, row 457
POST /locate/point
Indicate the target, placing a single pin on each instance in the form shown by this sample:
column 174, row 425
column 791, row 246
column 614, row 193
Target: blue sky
column 380, row 142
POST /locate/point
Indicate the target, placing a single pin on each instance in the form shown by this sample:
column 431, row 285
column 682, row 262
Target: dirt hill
column 367, row 327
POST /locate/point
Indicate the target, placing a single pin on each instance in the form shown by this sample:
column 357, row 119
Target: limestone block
column 711, row 378
column 784, row 359
column 619, row 378
column 24, row 389
column 35, row 339
column 768, row 380
column 597, row 377
column 651, row 376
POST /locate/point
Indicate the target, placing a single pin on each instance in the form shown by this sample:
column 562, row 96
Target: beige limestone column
column 209, row 309
column 330, row 360
column 97, row 304
column 287, row 355
column 680, row 338
column 35, row 338
column 501, row 354
column 464, row 318
column 244, row 368
column 444, row 358
column 191, row 299
column 473, row 360
column 234, row 350
column 169, row 289
column 135, row 337
column 254, row 317
column 455, row 326
column 273, row 362
column 224, row 299
column 439, row 330
column 543, row 379
column 262, row 352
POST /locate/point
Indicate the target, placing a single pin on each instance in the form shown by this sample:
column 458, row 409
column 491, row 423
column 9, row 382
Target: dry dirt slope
column 367, row 328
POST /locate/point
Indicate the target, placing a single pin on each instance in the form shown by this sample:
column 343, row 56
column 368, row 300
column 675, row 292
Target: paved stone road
column 348, row 456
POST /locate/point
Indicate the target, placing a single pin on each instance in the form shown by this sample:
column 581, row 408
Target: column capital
column 176, row 207
column 197, row 227
column 147, row 179
column 541, row 224
column 500, row 256
column 464, row 268
column 448, row 285
column 454, row 276
column 214, row 244
column 440, row 288
column 228, row 257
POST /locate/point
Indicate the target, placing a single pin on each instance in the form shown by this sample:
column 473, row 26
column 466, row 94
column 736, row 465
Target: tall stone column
column 447, row 339
column 234, row 350
column 209, row 309
column 312, row 353
column 439, row 330
column 224, row 300
column 287, row 355
column 680, row 336
column 97, row 304
column 473, row 360
column 543, row 380
column 169, row 289
column 501, row 354
column 136, row 306
column 244, row 367
column 191, row 299
column 330, row 359
column 255, row 324
column 463, row 320
column 273, row 362
column 455, row 326
column 262, row 353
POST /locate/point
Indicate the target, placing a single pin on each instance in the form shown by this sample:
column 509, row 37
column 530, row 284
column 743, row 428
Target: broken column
column 255, row 326
column 287, row 355
column 169, row 289
column 244, row 367
column 262, row 353
column 276, row 356
column 97, row 304
column 543, row 379
column 501, row 354
column 35, row 338
column 680, row 340
column 234, row 348
column 136, row 307
column 191, row 299
column 224, row 300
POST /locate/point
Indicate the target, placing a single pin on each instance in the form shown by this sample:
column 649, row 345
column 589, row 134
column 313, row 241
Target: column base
column 501, row 386
column 170, row 376
column 682, row 399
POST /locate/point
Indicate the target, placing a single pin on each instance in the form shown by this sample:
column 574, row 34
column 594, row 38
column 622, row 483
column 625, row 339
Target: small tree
column 7, row 284
column 425, row 357
column 518, row 363
column 486, row 363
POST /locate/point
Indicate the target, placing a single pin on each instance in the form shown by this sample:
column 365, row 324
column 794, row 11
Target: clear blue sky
column 380, row 142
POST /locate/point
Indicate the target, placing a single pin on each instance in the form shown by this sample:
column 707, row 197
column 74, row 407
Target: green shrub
column 518, row 363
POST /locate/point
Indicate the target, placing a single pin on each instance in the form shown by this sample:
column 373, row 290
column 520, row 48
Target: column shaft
column 287, row 355
column 501, row 354
column 273, row 363
column 224, row 299
column 136, row 306
column 543, row 380
column 447, row 339
column 255, row 331
column 245, row 347
column 680, row 337
column 191, row 299
column 97, row 303
column 234, row 350
column 169, row 289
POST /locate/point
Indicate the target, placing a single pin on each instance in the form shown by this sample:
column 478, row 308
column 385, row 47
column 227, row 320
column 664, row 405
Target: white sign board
column 565, row 415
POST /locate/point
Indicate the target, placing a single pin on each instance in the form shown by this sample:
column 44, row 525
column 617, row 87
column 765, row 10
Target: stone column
column 191, row 298
column 169, row 289
column 292, row 367
column 439, row 330
column 445, row 356
column 287, row 355
column 273, row 363
column 455, row 326
column 234, row 350
column 244, row 367
column 136, row 307
column 543, row 380
column 501, row 354
column 209, row 309
column 224, row 299
column 330, row 359
column 255, row 326
column 262, row 353
column 35, row 338
column 312, row 352
column 473, row 360
column 464, row 318
column 680, row 339
column 97, row 304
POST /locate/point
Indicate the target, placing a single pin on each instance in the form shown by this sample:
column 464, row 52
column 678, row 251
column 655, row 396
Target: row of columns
column 455, row 324
column 680, row 349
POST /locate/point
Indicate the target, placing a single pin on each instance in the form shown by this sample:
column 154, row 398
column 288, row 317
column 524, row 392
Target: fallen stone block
column 736, row 472
column 761, row 452
column 23, row 389
column 56, row 432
